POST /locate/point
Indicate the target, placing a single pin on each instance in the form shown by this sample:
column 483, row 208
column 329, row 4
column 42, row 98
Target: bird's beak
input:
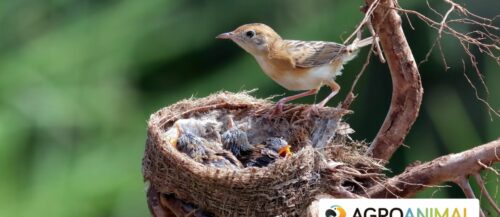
column 285, row 151
column 227, row 35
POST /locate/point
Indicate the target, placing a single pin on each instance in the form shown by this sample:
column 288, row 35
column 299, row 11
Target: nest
column 325, row 160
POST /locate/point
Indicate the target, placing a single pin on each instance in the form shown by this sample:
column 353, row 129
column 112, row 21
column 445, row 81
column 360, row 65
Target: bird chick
column 189, row 137
column 272, row 149
column 200, row 150
column 192, row 146
column 205, row 128
column 235, row 140
column 295, row 65
column 222, row 160
column 172, row 136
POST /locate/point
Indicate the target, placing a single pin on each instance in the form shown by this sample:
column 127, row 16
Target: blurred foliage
column 78, row 80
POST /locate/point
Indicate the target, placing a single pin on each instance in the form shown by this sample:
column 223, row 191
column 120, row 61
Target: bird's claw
column 312, row 110
column 278, row 108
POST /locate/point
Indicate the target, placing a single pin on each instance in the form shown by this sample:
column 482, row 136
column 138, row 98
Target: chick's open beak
column 227, row 35
column 285, row 151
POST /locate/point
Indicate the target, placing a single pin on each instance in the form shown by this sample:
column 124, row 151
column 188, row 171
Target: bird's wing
column 278, row 51
column 308, row 54
column 230, row 158
column 262, row 157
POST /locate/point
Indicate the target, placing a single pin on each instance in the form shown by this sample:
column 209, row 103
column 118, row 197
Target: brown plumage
column 295, row 65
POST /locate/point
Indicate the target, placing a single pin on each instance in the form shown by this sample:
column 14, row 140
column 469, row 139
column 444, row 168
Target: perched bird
column 235, row 139
column 295, row 65
column 264, row 154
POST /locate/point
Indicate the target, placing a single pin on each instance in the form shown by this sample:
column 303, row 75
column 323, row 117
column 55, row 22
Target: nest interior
column 285, row 187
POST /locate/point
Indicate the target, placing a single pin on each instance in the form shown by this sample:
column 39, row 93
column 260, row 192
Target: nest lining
column 285, row 187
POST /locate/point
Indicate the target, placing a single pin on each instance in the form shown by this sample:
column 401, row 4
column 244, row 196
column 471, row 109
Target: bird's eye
column 250, row 33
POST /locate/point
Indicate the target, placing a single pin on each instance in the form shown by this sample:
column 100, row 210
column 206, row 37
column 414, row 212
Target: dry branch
column 407, row 87
column 482, row 186
column 484, row 39
column 443, row 169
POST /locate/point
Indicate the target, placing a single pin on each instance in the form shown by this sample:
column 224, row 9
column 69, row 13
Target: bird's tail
column 356, row 44
column 366, row 41
column 353, row 48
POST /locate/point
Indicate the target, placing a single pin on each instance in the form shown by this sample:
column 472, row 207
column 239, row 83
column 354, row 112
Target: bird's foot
column 313, row 109
column 278, row 108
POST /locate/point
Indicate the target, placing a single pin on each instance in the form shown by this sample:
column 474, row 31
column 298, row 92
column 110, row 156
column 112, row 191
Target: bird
column 269, row 151
column 235, row 139
column 296, row 65
column 193, row 146
column 207, row 129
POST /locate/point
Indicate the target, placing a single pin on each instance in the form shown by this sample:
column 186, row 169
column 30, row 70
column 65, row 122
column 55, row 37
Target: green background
column 79, row 79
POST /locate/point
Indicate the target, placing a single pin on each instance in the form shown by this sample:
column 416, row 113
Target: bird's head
column 279, row 145
column 254, row 38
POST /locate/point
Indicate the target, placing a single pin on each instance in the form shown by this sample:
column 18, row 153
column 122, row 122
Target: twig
column 428, row 54
column 488, row 168
column 490, row 109
column 368, row 13
column 375, row 41
column 480, row 182
column 464, row 184
column 487, row 41
column 443, row 21
column 350, row 95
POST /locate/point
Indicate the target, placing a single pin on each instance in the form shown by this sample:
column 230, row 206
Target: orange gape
column 295, row 65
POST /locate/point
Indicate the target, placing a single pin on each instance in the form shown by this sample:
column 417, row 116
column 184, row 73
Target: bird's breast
column 292, row 78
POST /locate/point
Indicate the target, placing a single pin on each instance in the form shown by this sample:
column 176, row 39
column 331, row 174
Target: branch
column 407, row 87
column 464, row 184
column 446, row 168
column 476, row 32
column 154, row 204
column 482, row 186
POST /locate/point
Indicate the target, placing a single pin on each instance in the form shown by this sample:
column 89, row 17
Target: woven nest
column 325, row 160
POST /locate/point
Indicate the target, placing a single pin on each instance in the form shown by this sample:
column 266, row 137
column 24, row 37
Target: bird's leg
column 335, row 89
column 314, row 108
column 281, row 102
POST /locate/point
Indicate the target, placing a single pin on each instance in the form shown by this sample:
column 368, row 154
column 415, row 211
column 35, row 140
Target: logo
column 335, row 211
column 399, row 207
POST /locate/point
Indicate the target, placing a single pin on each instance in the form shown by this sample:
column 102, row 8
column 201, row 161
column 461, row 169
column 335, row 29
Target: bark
column 407, row 87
